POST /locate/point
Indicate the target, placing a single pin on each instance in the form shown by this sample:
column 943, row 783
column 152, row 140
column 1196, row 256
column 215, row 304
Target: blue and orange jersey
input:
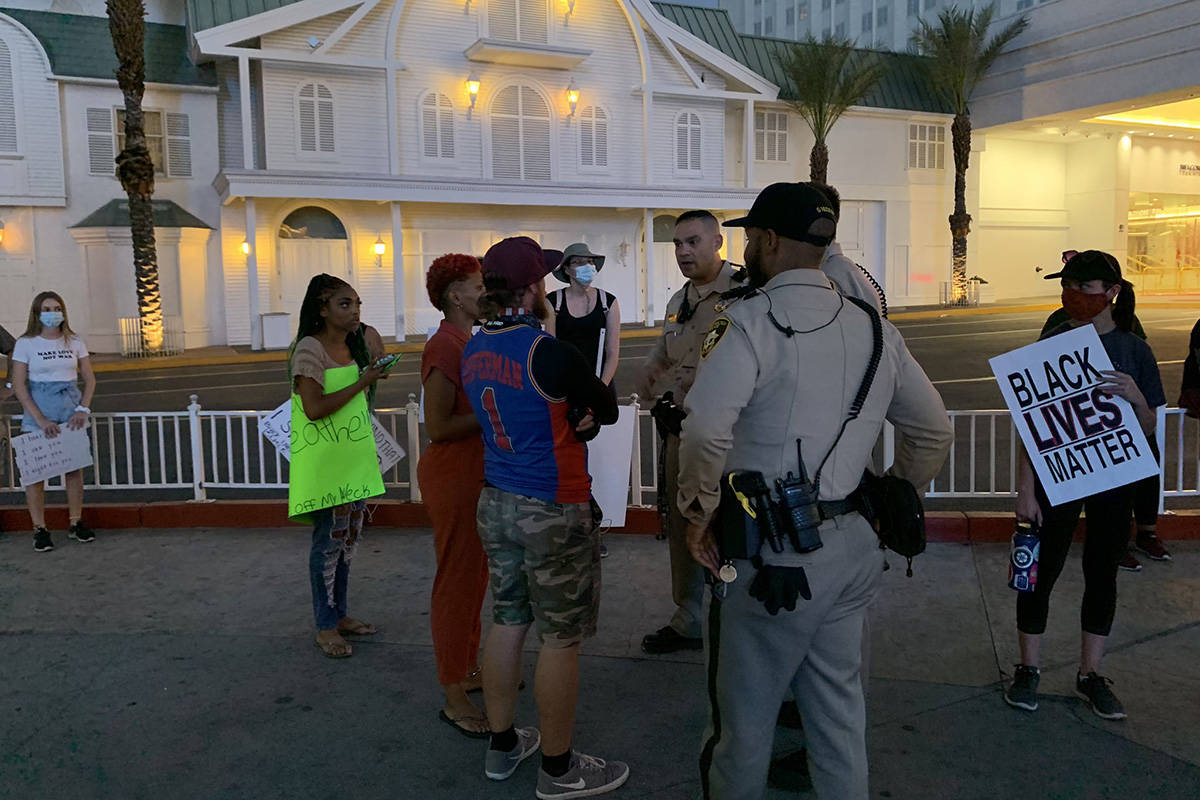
column 530, row 446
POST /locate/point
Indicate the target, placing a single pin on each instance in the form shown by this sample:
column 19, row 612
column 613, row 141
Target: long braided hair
column 320, row 289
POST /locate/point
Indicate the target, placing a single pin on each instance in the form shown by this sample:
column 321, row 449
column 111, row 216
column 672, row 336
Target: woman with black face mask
column 1094, row 293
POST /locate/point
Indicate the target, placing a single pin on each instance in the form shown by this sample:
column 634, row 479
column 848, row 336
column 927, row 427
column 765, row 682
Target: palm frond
column 959, row 51
column 828, row 76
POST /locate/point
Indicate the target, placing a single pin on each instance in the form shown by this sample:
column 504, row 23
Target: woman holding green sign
column 330, row 337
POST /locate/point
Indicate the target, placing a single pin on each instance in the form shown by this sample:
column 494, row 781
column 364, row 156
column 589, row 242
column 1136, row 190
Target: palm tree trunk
column 960, row 220
column 127, row 24
column 818, row 162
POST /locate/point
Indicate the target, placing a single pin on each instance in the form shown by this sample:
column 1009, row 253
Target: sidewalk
column 225, row 354
column 179, row 664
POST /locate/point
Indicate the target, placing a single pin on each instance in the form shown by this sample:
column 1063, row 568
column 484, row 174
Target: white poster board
column 39, row 457
column 1080, row 440
column 276, row 428
column 609, row 457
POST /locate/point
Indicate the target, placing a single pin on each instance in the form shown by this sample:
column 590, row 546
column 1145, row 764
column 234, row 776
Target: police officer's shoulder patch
column 715, row 333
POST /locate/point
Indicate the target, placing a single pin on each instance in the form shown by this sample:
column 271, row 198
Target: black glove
column 777, row 587
column 668, row 417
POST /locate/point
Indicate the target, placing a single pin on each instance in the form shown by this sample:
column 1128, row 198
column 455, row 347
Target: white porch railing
column 201, row 450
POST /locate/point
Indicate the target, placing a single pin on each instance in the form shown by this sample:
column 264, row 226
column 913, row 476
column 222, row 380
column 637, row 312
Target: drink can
column 1023, row 558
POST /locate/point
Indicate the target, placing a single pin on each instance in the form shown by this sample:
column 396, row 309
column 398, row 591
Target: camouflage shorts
column 544, row 560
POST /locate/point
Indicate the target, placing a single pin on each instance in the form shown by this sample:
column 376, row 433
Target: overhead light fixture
column 472, row 92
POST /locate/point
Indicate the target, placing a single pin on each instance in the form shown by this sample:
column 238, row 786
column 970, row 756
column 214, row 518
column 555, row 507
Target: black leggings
column 1105, row 540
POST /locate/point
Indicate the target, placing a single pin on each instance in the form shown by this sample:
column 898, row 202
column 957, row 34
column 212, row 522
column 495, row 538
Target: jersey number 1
column 499, row 435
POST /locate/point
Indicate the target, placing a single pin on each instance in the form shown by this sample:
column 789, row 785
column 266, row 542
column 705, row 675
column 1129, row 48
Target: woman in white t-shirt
column 47, row 362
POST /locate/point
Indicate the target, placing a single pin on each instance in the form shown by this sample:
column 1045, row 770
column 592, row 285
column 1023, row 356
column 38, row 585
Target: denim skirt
column 55, row 399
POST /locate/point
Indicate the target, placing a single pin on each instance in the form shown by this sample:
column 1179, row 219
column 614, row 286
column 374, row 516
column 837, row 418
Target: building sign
column 1190, row 169
column 1080, row 439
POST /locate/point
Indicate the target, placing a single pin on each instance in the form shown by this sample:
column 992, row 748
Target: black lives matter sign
column 1080, row 440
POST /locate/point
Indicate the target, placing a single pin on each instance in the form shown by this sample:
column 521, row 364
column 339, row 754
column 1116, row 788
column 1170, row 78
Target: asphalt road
column 954, row 352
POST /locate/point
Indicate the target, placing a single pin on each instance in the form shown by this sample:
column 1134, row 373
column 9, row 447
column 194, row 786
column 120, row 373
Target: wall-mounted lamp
column 572, row 99
column 467, row 7
column 570, row 4
column 380, row 248
column 1, row 233
column 245, row 247
column 472, row 92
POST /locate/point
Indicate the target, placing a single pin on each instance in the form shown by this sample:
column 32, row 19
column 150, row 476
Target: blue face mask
column 585, row 274
column 51, row 319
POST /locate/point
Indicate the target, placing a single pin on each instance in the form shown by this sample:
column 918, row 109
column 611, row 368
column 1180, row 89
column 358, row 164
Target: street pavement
column 954, row 350
column 164, row 664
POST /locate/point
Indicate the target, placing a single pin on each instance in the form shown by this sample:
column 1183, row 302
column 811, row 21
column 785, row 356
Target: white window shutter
column 587, row 137
column 101, row 145
column 307, row 109
column 694, row 143
column 599, row 138
column 8, row 106
column 179, row 146
column 534, row 22
column 535, row 134
column 325, row 118
column 429, row 124
column 502, row 20
column 445, row 126
column 506, row 133
column 681, row 142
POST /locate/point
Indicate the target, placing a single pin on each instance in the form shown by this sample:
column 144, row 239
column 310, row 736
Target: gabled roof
column 81, row 46
column 903, row 86
column 115, row 214
column 205, row 14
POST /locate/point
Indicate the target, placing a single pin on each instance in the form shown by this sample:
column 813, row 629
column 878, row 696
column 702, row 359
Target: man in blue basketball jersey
column 537, row 400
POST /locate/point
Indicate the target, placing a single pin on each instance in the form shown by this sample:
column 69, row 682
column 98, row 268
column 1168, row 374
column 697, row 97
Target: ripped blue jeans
column 334, row 539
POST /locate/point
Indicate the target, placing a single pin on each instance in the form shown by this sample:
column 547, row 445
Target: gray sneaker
column 1094, row 690
column 1022, row 693
column 587, row 776
column 499, row 765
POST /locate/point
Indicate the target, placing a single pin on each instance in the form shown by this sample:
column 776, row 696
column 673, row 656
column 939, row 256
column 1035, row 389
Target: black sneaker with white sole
column 41, row 541
column 1094, row 691
column 1022, row 693
column 587, row 776
column 81, row 533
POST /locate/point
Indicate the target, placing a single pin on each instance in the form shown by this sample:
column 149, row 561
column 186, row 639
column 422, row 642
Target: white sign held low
column 1079, row 439
column 39, row 457
column 609, row 456
column 276, row 428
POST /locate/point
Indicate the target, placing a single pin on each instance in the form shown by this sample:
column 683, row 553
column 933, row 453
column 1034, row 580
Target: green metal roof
column 115, row 214
column 903, row 85
column 81, row 46
column 204, row 14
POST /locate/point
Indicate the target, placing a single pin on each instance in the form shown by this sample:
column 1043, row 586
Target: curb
column 964, row 527
column 635, row 333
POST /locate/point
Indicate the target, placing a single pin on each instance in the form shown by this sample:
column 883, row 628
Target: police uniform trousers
column 815, row 651
column 687, row 577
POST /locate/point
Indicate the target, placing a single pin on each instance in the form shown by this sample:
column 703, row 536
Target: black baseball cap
column 1090, row 265
column 789, row 209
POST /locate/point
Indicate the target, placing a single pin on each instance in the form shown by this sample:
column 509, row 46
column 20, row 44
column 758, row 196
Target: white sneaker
column 499, row 765
column 587, row 776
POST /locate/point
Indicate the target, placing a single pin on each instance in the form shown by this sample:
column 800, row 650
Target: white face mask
column 51, row 319
column 585, row 274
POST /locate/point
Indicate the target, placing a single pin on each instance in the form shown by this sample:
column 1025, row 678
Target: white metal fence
column 205, row 450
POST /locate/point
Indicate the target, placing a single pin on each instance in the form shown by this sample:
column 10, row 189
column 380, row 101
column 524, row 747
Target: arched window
column 312, row 222
column 518, row 20
column 437, row 126
column 687, row 142
column 593, row 137
column 8, row 105
column 520, row 121
column 314, row 110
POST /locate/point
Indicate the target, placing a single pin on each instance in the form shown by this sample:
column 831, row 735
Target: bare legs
column 35, row 498
column 556, row 686
column 1091, row 650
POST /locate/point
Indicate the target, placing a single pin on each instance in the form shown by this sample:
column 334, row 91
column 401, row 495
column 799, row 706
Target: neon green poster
column 333, row 458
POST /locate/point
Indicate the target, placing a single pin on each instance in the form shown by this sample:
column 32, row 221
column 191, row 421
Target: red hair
column 444, row 271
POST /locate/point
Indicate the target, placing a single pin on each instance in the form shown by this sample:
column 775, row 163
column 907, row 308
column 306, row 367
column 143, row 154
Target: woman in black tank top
column 583, row 314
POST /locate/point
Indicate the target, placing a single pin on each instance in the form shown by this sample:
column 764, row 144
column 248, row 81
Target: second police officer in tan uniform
column 669, row 372
column 783, row 365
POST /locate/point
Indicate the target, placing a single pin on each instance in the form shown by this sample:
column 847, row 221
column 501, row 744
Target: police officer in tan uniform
column 783, row 364
column 671, row 368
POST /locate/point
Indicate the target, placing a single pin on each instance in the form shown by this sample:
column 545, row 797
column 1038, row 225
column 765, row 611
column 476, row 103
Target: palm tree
column 959, row 54
column 827, row 77
column 127, row 24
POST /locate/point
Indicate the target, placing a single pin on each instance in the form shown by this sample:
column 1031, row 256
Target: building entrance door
column 311, row 241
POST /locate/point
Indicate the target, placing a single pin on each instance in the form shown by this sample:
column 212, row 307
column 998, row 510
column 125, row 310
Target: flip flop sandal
column 364, row 629
column 327, row 649
column 452, row 722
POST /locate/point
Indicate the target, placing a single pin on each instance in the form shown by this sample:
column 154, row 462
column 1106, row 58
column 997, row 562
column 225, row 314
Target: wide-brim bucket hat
column 573, row 250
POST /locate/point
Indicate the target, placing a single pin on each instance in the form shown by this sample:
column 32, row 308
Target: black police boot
column 669, row 640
